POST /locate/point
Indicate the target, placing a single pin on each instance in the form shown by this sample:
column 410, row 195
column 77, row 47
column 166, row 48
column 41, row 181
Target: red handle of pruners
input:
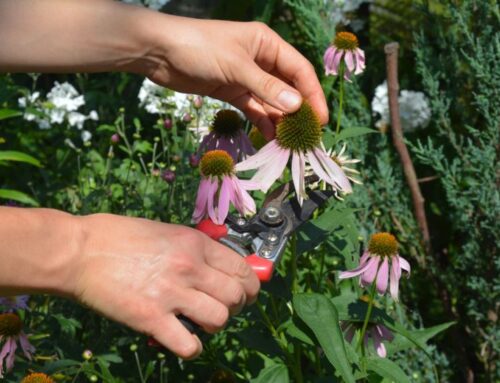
column 262, row 267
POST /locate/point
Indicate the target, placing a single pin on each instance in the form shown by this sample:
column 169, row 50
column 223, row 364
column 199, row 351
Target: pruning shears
column 262, row 239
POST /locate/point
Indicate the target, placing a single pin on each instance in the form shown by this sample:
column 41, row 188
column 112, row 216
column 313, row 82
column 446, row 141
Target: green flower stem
column 293, row 244
column 297, row 365
column 368, row 315
column 138, row 362
column 341, row 97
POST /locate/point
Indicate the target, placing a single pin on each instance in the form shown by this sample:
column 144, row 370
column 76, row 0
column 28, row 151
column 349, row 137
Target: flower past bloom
column 37, row 377
column 298, row 135
column 345, row 48
column 219, row 187
column 377, row 333
column 380, row 263
column 11, row 331
column 227, row 133
column 19, row 302
column 345, row 163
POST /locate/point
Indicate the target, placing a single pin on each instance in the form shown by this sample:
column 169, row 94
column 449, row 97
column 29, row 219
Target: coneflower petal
column 201, row 200
column 269, row 173
column 262, row 157
column 224, row 198
column 212, row 190
column 334, row 171
column 403, row 263
column 383, row 276
column 394, row 278
column 349, row 61
column 368, row 276
column 378, row 344
column 362, row 268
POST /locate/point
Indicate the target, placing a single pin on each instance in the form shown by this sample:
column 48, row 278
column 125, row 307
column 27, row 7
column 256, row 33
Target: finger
column 278, row 55
column 174, row 336
column 223, row 288
column 256, row 113
column 204, row 310
column 227, row 261
column 267, row 87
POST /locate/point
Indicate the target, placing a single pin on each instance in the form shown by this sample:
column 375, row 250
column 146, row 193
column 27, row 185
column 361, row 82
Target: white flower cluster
column 338, row 11
column 61, row 106
column 152, row 4
column 413, row 108
column 158, row 100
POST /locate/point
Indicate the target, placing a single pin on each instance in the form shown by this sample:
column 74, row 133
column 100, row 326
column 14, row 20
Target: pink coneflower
column 19, row 302
column 378, row 333
column 219, row 187
column 382, row 255
column 227, row 133
column 298, row 135
column 344, row 47
column 11, row 331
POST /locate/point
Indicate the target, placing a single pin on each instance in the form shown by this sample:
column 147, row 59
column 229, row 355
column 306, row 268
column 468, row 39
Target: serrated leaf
column 319, row 313
column 276, row 373
column 351, row 132
column 18, row 196
column 12, row 155
column 111, row 358
column 58, row 365
column 387, row 369
column 9, row 113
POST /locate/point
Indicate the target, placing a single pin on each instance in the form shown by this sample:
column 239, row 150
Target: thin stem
column 293, row 244
column 341, row 97
column 297, row 365
column 367, row 316
column 137, row 361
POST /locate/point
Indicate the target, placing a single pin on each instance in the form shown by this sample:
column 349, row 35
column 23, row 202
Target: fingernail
column 289, row 100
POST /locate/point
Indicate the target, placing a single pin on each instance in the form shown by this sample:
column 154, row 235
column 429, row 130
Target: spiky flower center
column 299, row 131
column 346, row 41
column 216, row 163
column 383, row 244
column 227, row 123
column 10, row 325
column 37, row 377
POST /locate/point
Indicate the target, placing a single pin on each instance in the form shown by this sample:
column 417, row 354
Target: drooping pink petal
column 9, row 362
column 334, row 171
column 385, row 333
column 364, row 257
column 336, row 62
column 200, row 209
column 328, row 60
column 27, row 347
column 403, row 263
column 269, row 173
column 383, row 276
column 394, row 278
column 368, row 276
column 349, row 61
column 224, row 198
column 360, row 61
column 349, row 334
column 377, row 343
column 249, row 184
column 298, row 166
column 318, row 168
column 362, row 268
column 262, row 157
column 245, row 200
column 212, row 190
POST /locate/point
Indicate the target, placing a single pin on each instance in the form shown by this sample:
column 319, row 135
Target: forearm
column 39, row 252
column 73, row 35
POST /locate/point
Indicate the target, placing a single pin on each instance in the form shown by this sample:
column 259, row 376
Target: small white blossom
column 414, row 109
column 86, row 135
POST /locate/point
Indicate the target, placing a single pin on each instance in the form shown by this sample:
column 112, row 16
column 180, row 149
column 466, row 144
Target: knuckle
column 220, row 316
column 237, row 295
column 259, row 26
column 242, row 269
column 184, row 265
column 268, row 84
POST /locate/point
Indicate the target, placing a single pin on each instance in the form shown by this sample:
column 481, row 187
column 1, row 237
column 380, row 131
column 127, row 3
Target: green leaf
column 58, row 365
column 68, row 325
column 400, row 342
column 350, row 308
column 111, row 358
column 276, row 373
column 386, row 368
column 18, row 196
column 354, row 131
column 319, row 313
column 9, row 113
column 315, row 231
column 12, row 155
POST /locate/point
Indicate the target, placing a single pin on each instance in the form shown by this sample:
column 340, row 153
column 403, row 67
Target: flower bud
column 133, row 347
column 168, row 176
column 87, row 355
column 115, row 138
column 198, row 102
column 167, row 123
column 176, row 158
column 187, row 117
column 194, row 160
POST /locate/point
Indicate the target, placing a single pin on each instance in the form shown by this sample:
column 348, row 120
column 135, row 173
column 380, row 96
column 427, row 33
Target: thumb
column 269, row 88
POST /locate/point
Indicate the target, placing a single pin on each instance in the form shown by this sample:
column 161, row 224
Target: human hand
column 143, row 273
column 246, row 64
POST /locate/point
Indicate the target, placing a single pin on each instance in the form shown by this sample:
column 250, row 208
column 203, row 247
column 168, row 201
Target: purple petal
column 333, row 170
column 364, row 257
column 201, row 200
column 383, row 276
column 377, row 343
column 371, row 271
column 362, row 268
column 262, row 157
column 328, row 60
column 212, row 190
column 27, row 347
column 246, row 145
column 394, row 278
column 403, row 263
column 266, row 175
column 385, row 333
column 224, row 198
column 349, row 61
column 298, row 176
column 360, row 60
column 245, row 200
column 208, row 143
column 12, row 353
column 336, row 62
